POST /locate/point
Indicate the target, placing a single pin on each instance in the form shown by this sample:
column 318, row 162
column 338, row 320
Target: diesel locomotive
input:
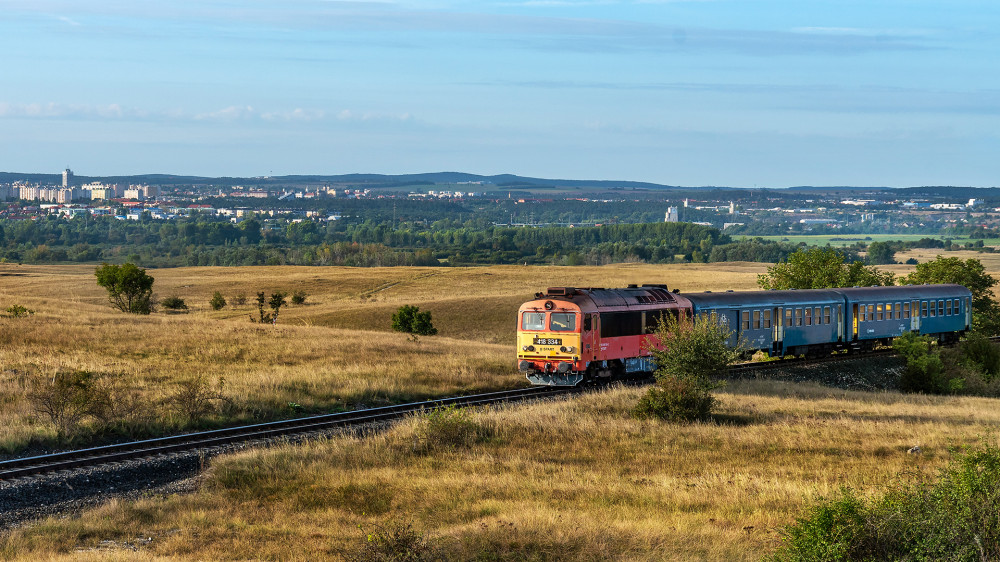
column 567, row 335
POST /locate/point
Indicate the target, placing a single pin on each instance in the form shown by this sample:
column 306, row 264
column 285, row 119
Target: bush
column 240, row 299
column 173, row 303
column 954, row 518
column 298, row 297
column 982, row 355
column 675, row 400
column 395, row 542
column 409, row 319
column 18, row 311
column 689, row 355
column 448, row 427
column 925, row 371
column 218, row 301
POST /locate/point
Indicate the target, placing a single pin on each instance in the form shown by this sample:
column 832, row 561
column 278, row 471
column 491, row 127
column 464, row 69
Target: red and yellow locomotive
column 567, row 336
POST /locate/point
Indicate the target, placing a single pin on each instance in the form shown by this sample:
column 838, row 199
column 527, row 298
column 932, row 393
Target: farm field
column 849, row 239
column 572, row 480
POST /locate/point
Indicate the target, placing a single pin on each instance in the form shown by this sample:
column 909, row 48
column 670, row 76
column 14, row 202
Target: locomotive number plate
column 547, row 341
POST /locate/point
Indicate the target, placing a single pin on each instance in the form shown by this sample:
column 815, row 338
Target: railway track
column 108, row 454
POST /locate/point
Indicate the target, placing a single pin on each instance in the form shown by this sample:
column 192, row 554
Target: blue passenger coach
column 817, row 321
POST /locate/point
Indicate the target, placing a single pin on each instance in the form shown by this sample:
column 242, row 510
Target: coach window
column 788, row 318
column 947, row 307
column 933, row 308
column 562, row 322
column 878, row 311
column 809, row 317
column 818, row 315
column 798, row 316
column 906, row 310
column 746, row 319
column 899, row 311
column 940, row 308
column 533, row 321
column 923, row 309
column 767, row 319
column 958, row 305
column 826, row 314
column 756, row 320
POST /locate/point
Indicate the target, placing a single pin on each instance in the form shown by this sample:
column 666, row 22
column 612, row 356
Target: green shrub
column 675, row 400
column 298, row 297
column 952, row 518
column 448, row 427
column 173, row 303
column 409, row 319
column 982, row 354
column 924, row 368
column 18, row 311
column 395, row 542
column 218, row 301
column 691, row 354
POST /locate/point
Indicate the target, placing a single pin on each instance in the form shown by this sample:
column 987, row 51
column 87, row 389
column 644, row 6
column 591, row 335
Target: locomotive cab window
column 588, row 323
column 533, row 321
column 562, row 322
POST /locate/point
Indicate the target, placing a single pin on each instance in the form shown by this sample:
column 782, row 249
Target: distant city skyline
column 676, row 92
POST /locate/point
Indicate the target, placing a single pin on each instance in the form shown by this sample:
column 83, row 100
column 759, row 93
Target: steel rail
column 107, row 454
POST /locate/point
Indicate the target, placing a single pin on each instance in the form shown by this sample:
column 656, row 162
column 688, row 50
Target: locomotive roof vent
column 561, row 291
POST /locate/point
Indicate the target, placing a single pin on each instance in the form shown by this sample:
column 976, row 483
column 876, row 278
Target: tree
column 129, row 288
column 689, row 356
column 409, row 319
column 881, row 253
column 821, row 268
column 972, row 275
column 276, row 301
column 218, row 301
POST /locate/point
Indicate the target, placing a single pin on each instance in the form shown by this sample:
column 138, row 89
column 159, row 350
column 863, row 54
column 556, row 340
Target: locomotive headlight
column 566, row 349
column 524, row 348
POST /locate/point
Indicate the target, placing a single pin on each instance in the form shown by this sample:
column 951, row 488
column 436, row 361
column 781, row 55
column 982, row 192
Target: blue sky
column 738, row 93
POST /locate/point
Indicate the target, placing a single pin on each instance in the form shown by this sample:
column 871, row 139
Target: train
column 569, row 336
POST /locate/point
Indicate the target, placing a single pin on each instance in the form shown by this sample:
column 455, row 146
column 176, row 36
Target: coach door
column 915, row 316
column 854, row 322
column 840, row 322
column 777, row 330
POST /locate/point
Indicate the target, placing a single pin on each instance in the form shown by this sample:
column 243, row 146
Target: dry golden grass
column 334, row 351
column 573, row 480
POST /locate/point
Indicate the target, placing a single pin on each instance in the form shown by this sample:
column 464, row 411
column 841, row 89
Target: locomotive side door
column 589, row 340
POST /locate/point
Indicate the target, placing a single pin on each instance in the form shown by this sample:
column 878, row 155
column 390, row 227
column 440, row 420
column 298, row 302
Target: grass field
column 573, row 480
column 850, row 239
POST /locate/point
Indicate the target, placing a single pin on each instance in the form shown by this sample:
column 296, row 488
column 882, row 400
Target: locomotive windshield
column 533, row 321
column 563, row 322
